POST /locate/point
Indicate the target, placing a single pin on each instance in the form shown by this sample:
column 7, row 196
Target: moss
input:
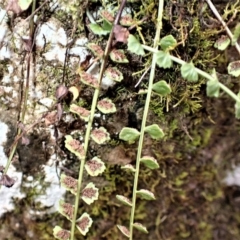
column 75, row 10
column 190, row 202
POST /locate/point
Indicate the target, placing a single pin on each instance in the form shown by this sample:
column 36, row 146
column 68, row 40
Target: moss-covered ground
column 201, row 142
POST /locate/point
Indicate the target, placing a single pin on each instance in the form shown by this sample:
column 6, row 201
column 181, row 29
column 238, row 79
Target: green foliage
column 24, row 4
column 124, row 200
column 188, row 98
column 140, row 227
column 213, row 88
column 168, row 43
column 114, row 74
column 100, row 30
column 124, row 230
column 106, row 106
column 66, row 210
column 60, row 233
column 80, row 111
column 69, row 183
column 74, row 146
column 189, row 72
column 96, row 49
column 150, row 162
column 84, row 223
column 100, row 135
column 163, row 59
column 95, row 166
column 236, row 34
column 162, row 87
column 89, row 79
column 222, row 43
column 118, row 56
column 234, row 68
column 90, row 193
column 134, row 46
column 154, row 131
column 237, row 107
column 145, row 194
column 129, row 134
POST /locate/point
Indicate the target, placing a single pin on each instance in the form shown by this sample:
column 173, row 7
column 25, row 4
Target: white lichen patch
column 81, row 41
column 5, row 52
column 81, row 52
column 46, row 70
column 55, row 53
column 51, row 32
column 233, row 177
column 3, row 137
column 20, row 31
column 48, row 102
column 107, row 83
column 7, row 194
column 54, row 192
column 51, row 39
column 54, row 35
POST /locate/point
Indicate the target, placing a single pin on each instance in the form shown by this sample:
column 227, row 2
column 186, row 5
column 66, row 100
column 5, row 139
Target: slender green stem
column 90, row 121
column 11, row 155
column 200, row 72
column 87, row 137
column 229, row 33
column 35, row 11
column 145, row 114
column 31, row 23
column 229, row 92
column 86, row 143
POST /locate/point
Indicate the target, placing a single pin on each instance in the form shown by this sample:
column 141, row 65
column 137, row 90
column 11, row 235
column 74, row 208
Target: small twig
column 32, row 14
column 141, row 78
column 171, row 18
column 233, row 17
column 229, row 33
column 138, row 23
column 90, row 17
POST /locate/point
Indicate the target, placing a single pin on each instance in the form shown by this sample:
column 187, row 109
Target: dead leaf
column 75, row 92
column 118, row 156
column 24, row 4
column 25, row 140
column 7, row 181
column 27, row 43
column 21, row 126
column 51, row 118
column 120, row 33
column 59, row 111
column 61, row 92
column 84, row 65
column 14, row 7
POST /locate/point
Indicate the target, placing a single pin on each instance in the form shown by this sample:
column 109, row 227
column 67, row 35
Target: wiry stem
column 200, row 72
column 229, row 33
column 26, row 90
column 90, row 121
column 145, row 114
